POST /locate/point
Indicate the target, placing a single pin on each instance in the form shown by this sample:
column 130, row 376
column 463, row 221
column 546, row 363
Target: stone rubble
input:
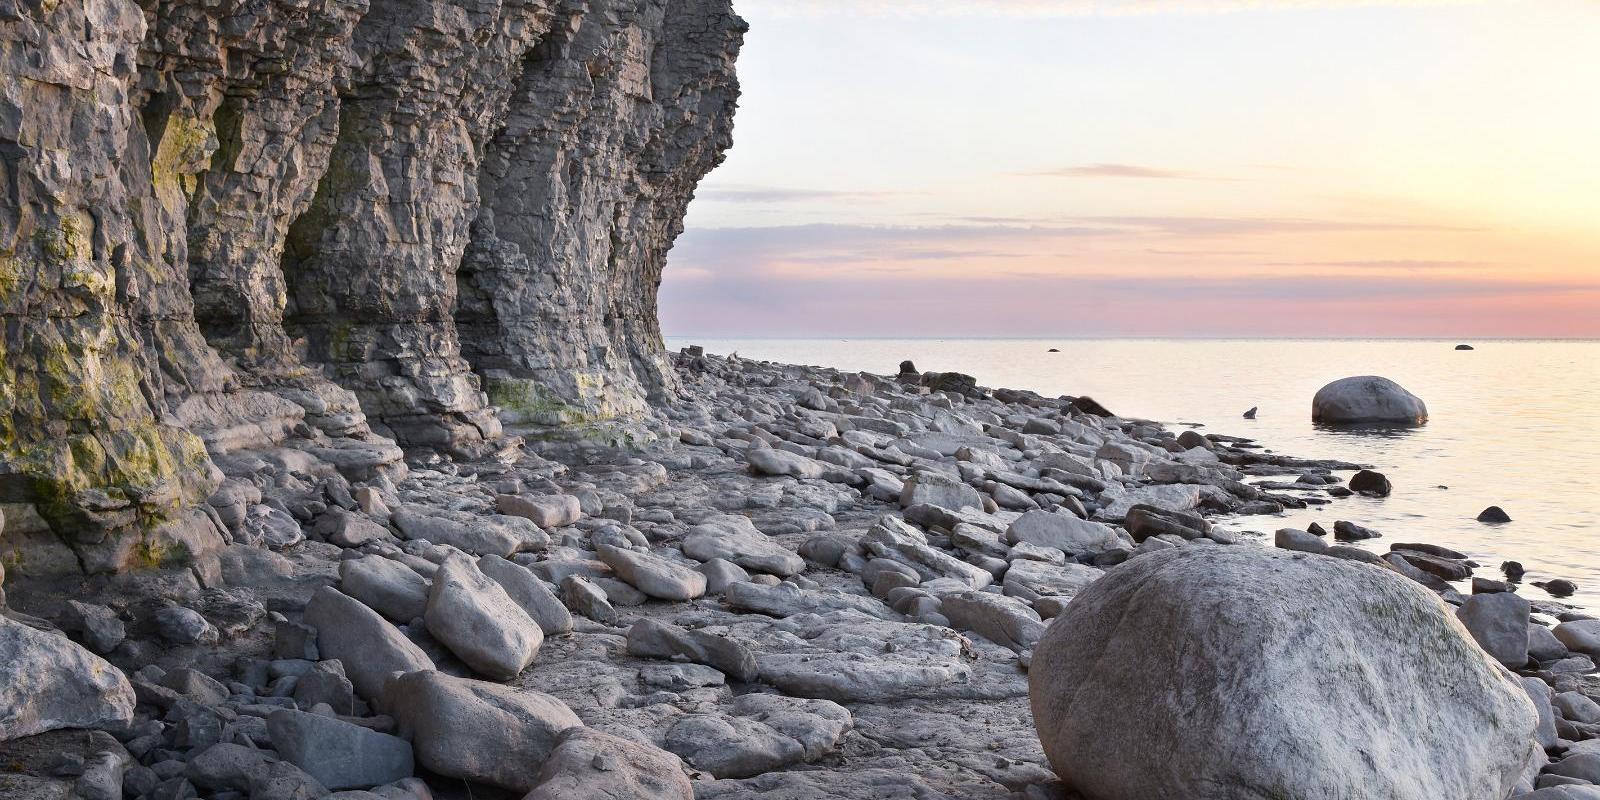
column 693, row 624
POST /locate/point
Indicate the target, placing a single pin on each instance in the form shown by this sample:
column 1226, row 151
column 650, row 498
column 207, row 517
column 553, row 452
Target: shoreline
column 807, row 577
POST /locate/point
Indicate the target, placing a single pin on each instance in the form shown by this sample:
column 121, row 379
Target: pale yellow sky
column 1345, row 159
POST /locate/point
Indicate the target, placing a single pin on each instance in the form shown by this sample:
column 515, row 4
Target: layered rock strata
column 229, row 231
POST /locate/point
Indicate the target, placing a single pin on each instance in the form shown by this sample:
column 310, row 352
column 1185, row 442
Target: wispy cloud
column 752, row 248
column 886, row 302
column 1395, row 264
column 1253, row 226
column 740, row 193
column 1119, row 171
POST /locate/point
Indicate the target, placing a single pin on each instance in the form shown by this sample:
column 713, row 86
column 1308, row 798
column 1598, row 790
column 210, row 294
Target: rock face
column 231, row 227
column 1243, row 672
column 1368, row 399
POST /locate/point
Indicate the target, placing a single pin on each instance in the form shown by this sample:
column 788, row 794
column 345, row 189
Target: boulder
column 1372, row 484
column 180, row 625
column 734, row 538
column 1580, row 636
column 477, row 731
column 526, row 590
column 939, row 489
column 764, row 732
column 655, row 576
column 1296, row 539
column 589, row 764
column 49, row 682
column 1367, row 400
column 546, row 510
column 650, row 638
column 365, row 642
column 471, row 615
column 385, row 586
column 1229, row 672
column 1064, row 532
column 338, row 754
column 1006, row 621
column 96, row 626
column 1499, row 623
column 1494, row 515
column 498, row 535
column 770, row 461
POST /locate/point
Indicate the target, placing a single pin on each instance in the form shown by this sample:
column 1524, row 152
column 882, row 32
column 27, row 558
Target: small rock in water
column 1513, row 570
column 1088, row 406
column 1560, row 587
column 1494, row 514
column 1351, row 532
column 1489, row 586
column 1054, row 350
column 1251, row 414
column 1371, row 484
column 1316, row 528
column 1464, row 347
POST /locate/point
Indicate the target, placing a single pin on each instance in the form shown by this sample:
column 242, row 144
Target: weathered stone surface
column 1367, row 399
column 340, row 755
column 845, row 656
column 369, row 646
column 532, row 594
column 763, row 733
column 939, row 489
column 499, row 535
column 386, row 586
column 546, row 511
column 654, row 575
column 1244, row 639
column 589, row 763
column 1062, row 531
column 1499, row 623
column 652, row 639
column 477, row 731
column 733, row 538
column 48, row 682
column 205, row 197
column 469, row 613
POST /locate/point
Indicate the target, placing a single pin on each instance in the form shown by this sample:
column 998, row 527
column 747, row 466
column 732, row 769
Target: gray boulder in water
column 1367, row 399
column 1243, row 672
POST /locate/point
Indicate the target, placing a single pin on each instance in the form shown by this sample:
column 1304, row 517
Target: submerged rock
column 1204, row 673
column 1494, row 514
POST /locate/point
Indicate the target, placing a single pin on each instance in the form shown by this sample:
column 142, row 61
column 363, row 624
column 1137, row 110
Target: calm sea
column 1510, row 423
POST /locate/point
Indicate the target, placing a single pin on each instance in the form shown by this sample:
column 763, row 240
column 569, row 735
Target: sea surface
column 1512, row 423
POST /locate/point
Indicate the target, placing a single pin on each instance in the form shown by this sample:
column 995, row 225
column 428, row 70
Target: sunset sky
column 1078, row 168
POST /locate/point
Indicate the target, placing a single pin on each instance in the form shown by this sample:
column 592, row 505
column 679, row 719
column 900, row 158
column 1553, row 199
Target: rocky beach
column 341, row 456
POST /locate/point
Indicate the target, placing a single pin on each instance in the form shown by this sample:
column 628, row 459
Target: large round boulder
column 1367, row 399
column 1246, row 673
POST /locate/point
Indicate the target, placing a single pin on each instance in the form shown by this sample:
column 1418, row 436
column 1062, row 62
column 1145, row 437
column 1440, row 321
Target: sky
column 1153, row 168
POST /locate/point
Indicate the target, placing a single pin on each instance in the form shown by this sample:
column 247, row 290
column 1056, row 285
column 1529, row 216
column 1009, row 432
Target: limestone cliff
column 341, row 227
